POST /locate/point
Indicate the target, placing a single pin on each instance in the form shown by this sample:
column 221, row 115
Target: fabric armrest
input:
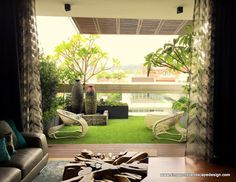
column 36, row 140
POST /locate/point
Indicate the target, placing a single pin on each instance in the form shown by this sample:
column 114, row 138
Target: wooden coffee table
column 126, row 166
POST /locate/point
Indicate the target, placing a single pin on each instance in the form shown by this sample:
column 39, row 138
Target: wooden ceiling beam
column 140, row 22
column 159, row 26
column 129, row 26
column 117, row 26
column 96, row 23
column 179, row 28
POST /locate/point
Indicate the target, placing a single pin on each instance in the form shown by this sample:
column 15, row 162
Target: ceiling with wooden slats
column 130, row 26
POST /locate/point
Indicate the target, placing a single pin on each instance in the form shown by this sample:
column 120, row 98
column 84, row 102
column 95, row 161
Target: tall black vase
column 77, row 97
column 90, row 100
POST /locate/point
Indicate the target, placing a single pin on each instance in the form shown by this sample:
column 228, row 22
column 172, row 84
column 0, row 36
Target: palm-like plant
column 175, row 56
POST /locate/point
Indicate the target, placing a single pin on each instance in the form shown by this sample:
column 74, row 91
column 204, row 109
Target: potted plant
column 116, row 109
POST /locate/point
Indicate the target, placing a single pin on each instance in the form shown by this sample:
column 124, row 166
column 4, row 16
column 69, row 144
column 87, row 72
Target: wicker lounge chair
column 69, row 118
column 151, row 118
column 163, row 125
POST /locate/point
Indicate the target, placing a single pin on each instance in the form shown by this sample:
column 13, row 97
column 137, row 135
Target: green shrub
column 67, row 102
column 49, row 83
column 102, row 102
column 181, row 104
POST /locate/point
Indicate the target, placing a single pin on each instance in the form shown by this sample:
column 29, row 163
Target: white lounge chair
column 163, row 125
column 69, row 118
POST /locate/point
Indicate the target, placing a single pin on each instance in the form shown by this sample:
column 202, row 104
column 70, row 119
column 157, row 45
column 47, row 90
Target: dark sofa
column 27, row 162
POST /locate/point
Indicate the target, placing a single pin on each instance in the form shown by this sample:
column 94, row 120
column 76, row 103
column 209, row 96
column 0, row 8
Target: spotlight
column 180, row 9
column 67, row 7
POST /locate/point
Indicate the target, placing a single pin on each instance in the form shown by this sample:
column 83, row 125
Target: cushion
column 9, row 143
column 5, row 129
column 10, row 174
column 4, row 155
column 21, row 143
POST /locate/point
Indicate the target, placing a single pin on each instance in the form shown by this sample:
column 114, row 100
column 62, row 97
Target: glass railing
column 142, row 98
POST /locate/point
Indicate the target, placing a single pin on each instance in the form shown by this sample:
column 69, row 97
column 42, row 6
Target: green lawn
column 130, row 130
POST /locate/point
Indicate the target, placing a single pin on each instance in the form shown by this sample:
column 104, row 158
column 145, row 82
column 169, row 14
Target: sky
column 129, row 49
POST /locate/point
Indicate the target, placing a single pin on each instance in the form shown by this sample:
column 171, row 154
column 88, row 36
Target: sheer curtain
column 29, row 67
column 200, row 123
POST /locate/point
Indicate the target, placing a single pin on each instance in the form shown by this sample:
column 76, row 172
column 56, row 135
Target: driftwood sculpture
column 125, row 167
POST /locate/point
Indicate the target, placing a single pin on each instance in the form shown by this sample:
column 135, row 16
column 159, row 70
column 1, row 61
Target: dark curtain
column 9, row 63
column 29, row 68
column 20, row 92
column 225, row 82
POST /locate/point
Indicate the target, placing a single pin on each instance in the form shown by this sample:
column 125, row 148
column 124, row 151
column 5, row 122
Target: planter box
column 115, row 112
column 96, row 119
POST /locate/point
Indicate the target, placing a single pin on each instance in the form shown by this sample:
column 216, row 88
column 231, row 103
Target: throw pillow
column 9, row 143
column 4, row 155
column 20, row 139
column 5, row 129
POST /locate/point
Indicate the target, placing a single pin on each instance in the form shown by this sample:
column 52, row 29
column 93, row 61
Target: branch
column 77, row 63
column 178, row 59
column 91, row 42
column 95, row 73
column 170, row 65
column 181, row 59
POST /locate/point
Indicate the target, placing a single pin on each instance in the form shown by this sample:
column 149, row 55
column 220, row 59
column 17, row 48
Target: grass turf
column 132, row 130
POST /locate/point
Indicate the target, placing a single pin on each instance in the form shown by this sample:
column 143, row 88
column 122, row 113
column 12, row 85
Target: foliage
column 114, row 97
column 66, row 76
column 175, row 56
column 181, row 104
column 65, row 101
column 49, row 83
column 116, row 75
column 108, row 102
column 104, row 74
column 81, row 58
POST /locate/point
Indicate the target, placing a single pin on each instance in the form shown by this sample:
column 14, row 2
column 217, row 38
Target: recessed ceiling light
column 67, row 7
column 180, row 9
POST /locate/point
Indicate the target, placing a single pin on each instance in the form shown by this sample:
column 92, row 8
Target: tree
column 119, row 75
column 80, row 57
column 175, row 56
column 115, row 75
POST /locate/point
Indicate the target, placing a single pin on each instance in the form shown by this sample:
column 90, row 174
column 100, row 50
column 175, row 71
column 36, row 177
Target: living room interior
column 209, row 152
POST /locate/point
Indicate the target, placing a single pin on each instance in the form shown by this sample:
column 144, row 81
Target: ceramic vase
column 77, row 97
column 90, row 100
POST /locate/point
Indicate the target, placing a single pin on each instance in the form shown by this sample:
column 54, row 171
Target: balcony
column 142, row 97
